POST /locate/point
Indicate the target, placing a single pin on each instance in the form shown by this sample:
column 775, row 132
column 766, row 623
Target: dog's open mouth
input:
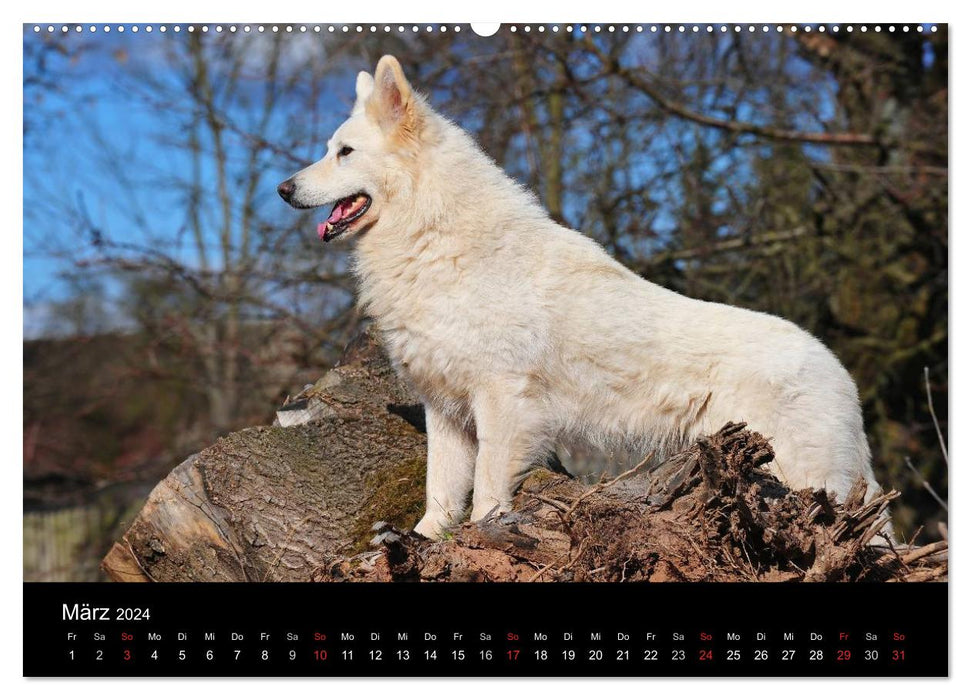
column 345, row 212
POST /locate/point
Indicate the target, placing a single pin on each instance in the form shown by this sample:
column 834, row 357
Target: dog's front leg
column 451, row 459
column 509, row 434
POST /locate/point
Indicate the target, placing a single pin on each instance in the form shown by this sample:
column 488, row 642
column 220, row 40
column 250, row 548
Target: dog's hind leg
column 451, row 460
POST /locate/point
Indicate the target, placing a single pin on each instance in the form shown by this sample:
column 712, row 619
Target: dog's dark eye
column 345, row 151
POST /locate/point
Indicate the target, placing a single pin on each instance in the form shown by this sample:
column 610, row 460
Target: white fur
column 518, row 333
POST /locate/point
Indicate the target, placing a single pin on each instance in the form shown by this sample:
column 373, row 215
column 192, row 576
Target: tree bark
column 276, row 503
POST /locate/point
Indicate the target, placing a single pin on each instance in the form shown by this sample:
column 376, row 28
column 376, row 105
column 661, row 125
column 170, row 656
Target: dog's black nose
column 285, row 189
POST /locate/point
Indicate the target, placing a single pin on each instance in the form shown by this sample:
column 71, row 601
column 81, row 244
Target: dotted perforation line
column 720, row 28
column 243, row 28
column 428, row 28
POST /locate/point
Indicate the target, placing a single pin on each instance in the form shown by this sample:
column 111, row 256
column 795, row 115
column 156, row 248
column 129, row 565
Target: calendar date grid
column 327, row 650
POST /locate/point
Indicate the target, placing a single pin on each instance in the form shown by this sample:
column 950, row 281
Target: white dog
column 518, row 333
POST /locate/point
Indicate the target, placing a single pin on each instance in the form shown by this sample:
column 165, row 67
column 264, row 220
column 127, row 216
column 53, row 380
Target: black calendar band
column 477, row 629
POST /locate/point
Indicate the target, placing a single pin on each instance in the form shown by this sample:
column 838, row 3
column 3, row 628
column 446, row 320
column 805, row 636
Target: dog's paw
column 431, row 527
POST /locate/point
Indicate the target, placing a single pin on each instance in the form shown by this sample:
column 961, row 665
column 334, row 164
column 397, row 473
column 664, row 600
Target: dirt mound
column 710, row 513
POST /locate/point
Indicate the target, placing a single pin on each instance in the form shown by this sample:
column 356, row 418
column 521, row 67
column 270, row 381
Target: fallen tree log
column 276, row 503
column 297, row 502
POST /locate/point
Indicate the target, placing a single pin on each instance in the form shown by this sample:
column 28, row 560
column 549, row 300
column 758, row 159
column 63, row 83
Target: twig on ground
column 549, row 566
column 603, row 485
column 559, row 505
column 925, row 551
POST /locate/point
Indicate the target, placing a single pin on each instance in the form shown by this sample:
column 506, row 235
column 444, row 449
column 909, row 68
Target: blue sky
column 94, row 146
column 93, row 139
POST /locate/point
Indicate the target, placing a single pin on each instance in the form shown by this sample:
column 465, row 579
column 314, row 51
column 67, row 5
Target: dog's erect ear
column 392, row 103
column 365, row 86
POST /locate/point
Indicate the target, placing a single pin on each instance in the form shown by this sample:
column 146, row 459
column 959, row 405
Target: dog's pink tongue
column 340, row 210
column 336, row 215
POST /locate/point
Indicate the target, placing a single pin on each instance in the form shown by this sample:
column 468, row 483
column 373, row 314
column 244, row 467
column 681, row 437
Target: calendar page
column 565, row 349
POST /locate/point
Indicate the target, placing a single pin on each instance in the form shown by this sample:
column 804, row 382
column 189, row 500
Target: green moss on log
column 397, row 496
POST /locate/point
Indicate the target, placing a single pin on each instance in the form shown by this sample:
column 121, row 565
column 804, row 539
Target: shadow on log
column 296, row 502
